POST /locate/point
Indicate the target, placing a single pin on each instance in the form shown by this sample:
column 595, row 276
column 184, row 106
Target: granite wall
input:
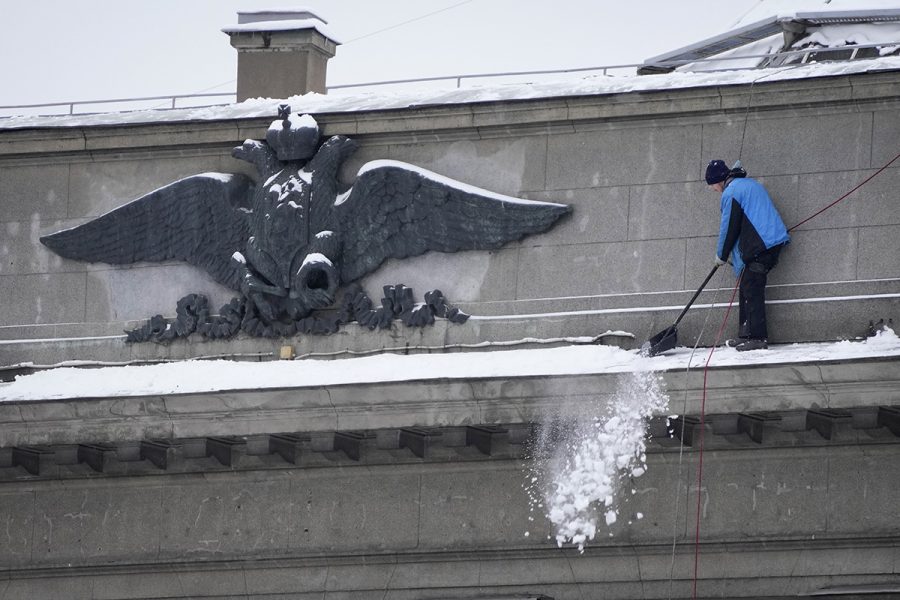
column 641, row 234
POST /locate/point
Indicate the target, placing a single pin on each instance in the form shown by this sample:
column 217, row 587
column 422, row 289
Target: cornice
column 473, row 119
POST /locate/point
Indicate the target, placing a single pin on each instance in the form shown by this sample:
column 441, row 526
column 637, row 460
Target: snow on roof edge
column 197, row 376
column 339, row 102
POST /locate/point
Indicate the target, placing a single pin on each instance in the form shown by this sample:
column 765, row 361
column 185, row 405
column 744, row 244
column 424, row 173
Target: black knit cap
column 716, row 171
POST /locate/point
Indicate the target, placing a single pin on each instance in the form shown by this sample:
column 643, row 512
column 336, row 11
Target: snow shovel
column 666, row 339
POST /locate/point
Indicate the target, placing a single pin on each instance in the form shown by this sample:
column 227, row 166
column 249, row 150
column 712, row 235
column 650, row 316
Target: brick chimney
column 281, row 52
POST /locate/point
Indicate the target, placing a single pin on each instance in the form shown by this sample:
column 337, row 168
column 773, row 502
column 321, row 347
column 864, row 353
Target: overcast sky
column 63, row 50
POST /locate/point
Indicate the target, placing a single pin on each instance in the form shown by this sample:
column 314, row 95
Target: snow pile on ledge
column 206, row 376
column 343, row 102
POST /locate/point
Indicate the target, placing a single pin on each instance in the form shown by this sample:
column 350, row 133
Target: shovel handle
column 697, row 293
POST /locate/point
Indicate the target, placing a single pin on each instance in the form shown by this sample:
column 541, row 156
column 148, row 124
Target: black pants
column 752, row 299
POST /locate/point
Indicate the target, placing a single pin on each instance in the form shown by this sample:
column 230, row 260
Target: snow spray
column 577, row 468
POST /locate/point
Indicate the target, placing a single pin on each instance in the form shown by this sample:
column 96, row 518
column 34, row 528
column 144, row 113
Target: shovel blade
column 661, row 342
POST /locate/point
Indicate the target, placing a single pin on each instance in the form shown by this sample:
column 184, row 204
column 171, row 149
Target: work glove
column 719, row 261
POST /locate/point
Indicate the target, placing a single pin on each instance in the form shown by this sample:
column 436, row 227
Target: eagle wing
column 202, row 220
column 396, row 210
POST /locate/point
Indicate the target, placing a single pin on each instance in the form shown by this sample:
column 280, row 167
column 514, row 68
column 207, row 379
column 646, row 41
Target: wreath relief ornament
column 291, row 241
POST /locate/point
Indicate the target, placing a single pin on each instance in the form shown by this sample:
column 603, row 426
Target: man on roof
column 752, row 233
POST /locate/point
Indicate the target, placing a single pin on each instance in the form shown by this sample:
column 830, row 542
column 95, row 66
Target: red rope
column 864, row 182
column 706, row 372
column 702, row 424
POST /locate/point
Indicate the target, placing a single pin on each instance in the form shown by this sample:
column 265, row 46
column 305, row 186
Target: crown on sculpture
column 293, row 138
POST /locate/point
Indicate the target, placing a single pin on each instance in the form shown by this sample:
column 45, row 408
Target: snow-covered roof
column 205, row 376
column 760, row 31
column 349, row 101
column 280, row 19
column 788, row 9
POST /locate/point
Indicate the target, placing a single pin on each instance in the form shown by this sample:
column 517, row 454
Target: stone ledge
column 748, row 569
column 856, row 426
column 435, row 403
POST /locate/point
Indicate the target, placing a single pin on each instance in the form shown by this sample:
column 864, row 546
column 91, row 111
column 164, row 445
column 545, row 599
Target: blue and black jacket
column 750, row 223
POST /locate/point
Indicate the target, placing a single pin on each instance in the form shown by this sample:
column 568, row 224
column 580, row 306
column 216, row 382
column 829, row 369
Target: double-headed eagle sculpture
column 290, row 241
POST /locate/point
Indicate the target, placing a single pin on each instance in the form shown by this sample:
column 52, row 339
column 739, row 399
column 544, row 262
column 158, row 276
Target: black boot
column 746, row 345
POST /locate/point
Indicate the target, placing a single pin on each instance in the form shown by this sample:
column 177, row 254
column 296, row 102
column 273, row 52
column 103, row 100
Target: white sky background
column 65, row 50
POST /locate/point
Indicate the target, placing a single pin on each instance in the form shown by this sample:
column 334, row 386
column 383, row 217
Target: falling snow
column 581, row 463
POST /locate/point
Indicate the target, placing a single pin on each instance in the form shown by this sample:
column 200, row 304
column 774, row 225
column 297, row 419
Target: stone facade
column 641, row 233
column 413, row 490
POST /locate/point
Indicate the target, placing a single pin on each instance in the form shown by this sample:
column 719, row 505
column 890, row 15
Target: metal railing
column 171, row 101
column 459, row 78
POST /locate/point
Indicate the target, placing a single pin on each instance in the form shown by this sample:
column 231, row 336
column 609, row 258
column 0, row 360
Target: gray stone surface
column 202, row 137
column 132, row 585
column 52, row 351
column 762, row 94
column 60, row 330
column 121, row 294
column 857, row 502
column 487, row 509
column 600, row 268
column 879, row 252
column 374, row 512
column 672, row 210
column 506, row 166
column 100, row 186
column 211, row 516
column 656, row 102
column 412, row 577
column 95, row 522
column 49, row 587
column 443, row 528
column 28, row 141
column 819, row 255
column 885, row 131
column 286, row 580
column 431, row 121
column 43, row 298
column 350, row 167
column 487, row 115
column 461, row 276
column 799, row 143
column 17, row 521
column 874, row 204
column 698, row 263
column 20, row 250
column 34, row 192
column 623, row 156
column 771, row 493
column 598, row 215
